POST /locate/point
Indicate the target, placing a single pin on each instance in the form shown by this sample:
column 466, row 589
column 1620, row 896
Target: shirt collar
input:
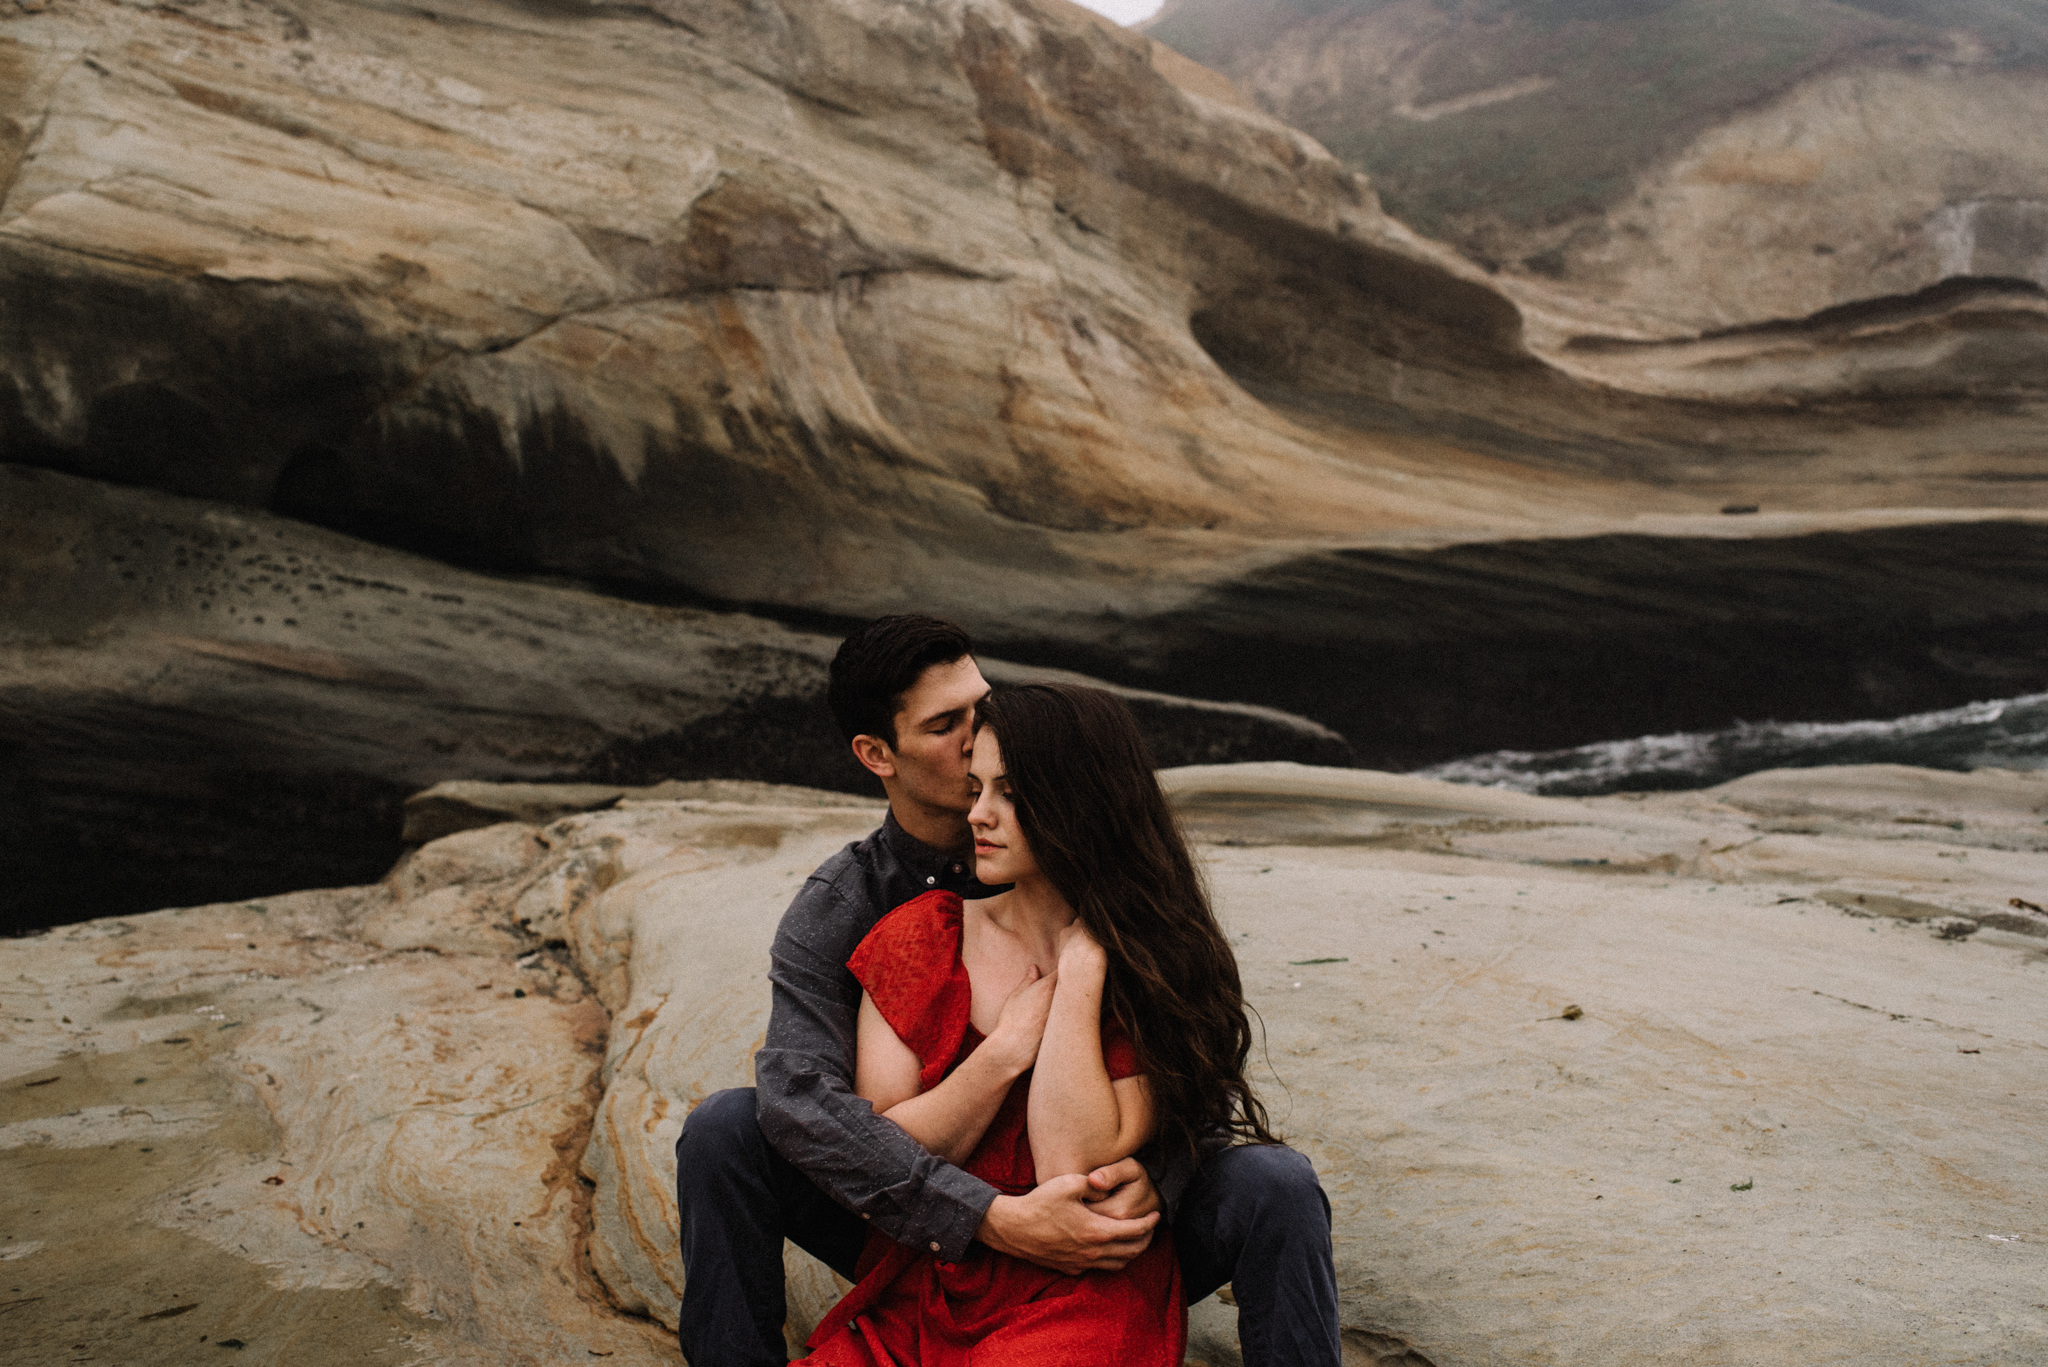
column 935, row 868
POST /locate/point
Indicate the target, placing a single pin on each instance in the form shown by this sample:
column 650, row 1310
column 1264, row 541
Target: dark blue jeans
column 1255, row 1216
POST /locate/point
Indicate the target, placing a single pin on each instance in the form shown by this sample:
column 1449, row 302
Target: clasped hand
column 1075, row 1224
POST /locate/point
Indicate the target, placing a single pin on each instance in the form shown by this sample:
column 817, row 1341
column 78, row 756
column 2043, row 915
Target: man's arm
column 803, row 1087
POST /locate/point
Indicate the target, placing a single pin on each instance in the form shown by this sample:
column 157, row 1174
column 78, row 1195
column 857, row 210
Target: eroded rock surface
column 203, row 701
column 291, row 1138
column 199, row 702
column 1782, row 1125
column 754, row 300
column 977, row 307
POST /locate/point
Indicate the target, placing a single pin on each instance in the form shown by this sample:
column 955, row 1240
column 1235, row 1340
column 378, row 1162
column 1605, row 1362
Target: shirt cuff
column 963, row 1202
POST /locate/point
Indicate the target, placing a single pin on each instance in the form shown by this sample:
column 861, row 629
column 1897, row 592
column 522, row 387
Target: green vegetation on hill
column 1648, row 84
column 1221, row 33
column 1632, row 81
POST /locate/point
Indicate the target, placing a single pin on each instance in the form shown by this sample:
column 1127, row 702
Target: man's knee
column 721, row 1126
column 1271, row 1182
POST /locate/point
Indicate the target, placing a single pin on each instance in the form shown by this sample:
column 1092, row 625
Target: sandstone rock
column 2001, row 804
column 328, row 1128
column 319, row 1150
column 1348, row 1063
column 466, row 804
column 374, row 675
column 1955, row 338
column 794, row 288
column 203, row 702
column 845, row 307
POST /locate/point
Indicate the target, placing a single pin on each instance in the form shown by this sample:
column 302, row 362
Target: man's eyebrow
column 940, row 716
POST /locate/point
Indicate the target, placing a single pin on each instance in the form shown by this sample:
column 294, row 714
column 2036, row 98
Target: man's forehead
column 950, row 687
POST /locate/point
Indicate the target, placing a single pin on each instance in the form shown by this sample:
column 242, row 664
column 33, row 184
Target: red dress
column 911, row 1310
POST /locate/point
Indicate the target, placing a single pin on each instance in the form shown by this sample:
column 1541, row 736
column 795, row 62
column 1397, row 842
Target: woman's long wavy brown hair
column 1098, row 824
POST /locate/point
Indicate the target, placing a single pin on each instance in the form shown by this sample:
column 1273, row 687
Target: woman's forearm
column 950, row 1119
column 1076, row 1122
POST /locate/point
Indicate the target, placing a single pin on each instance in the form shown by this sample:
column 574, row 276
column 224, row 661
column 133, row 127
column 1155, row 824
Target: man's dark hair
column 881, row 662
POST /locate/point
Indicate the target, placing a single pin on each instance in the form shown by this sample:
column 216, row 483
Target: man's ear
column 875, row 755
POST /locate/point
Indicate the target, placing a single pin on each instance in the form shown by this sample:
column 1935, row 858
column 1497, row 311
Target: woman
column 1096, row 1001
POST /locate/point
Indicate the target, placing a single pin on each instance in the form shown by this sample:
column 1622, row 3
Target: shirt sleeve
column 803, row 1087
column 909, row 967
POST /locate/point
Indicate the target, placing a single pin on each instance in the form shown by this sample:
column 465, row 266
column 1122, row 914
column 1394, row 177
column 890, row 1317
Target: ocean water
column 2011, row 733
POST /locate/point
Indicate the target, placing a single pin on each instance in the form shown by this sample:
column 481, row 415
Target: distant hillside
column 1517, row 129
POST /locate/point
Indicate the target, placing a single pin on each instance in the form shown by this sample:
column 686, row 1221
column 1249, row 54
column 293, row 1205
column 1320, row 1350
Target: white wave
column 2008, row 733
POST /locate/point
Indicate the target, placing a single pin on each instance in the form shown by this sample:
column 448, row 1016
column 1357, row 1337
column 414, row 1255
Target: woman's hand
column 1022, row 1023
column 1080, row 952
column 1080, row 1118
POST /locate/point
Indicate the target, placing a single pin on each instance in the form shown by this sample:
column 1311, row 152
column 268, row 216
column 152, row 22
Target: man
column 800, row 1156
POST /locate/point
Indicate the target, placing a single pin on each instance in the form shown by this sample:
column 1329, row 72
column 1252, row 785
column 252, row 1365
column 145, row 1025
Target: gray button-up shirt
column 803, row 1076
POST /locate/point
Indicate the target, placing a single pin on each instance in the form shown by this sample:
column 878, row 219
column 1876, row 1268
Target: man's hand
column 1059, row 1225
column 1122, row 1191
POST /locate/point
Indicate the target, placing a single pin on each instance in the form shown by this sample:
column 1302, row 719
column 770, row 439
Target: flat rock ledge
column 1748, row 1076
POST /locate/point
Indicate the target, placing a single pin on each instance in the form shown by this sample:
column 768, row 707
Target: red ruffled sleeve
column 910, row 966
column 1117, row 1052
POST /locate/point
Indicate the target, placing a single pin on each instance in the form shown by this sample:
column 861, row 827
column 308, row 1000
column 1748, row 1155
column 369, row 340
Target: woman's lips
column 985, row 847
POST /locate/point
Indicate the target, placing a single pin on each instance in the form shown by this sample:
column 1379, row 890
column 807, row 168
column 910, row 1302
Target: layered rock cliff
column 834, row 308
column 200, row 703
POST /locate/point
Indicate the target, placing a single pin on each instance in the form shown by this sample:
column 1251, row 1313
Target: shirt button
column 931, row 879
column 935, row 1245
column 956, row 868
